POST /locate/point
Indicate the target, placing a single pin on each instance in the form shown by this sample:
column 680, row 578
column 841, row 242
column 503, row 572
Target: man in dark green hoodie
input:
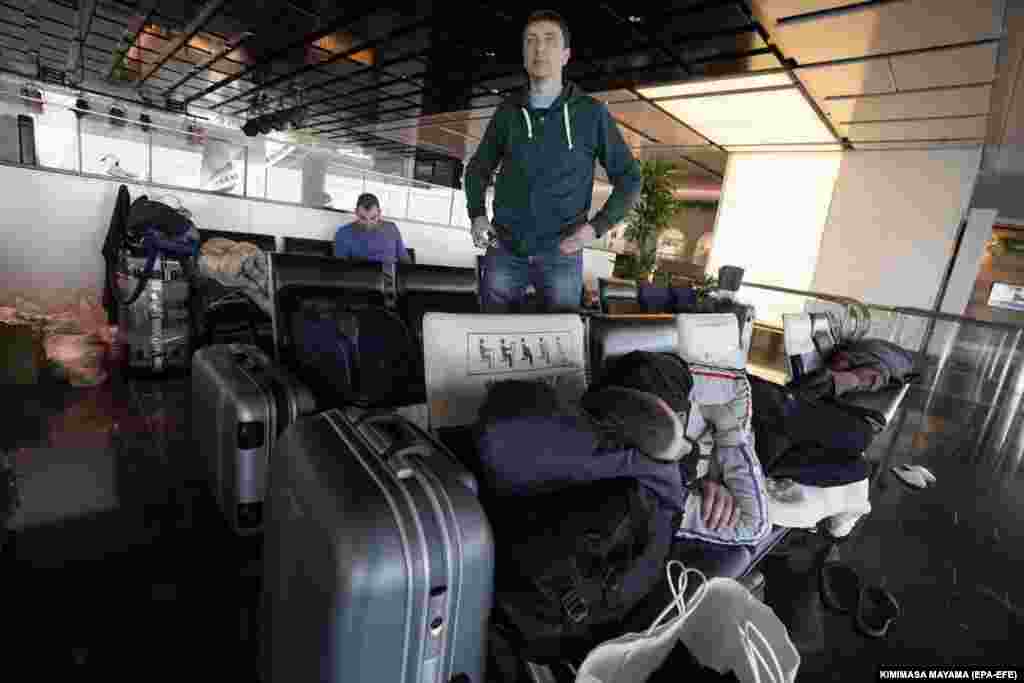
column 546, row 140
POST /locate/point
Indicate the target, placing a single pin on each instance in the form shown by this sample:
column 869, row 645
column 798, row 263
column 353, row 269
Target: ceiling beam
column 361, row 47
column 361, row 71
column 86, row 12
column 269, row 57
column 213, row 59
column 147, row 8
column 852, row 8
column 622, row 21
column 32, row 33
column 208, row 11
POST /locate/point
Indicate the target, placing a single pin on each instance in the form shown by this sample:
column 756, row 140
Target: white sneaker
column 914, row 476
column 840, row 526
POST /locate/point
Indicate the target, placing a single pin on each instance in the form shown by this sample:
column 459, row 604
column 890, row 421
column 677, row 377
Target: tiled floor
column 121, row 565
column 953, row 555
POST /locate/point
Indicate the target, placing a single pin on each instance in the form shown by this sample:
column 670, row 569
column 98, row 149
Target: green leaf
column 653, row 213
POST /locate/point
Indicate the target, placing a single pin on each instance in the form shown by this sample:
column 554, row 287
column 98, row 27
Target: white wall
column 52, row 228
column 893, row 220
column 770, row 220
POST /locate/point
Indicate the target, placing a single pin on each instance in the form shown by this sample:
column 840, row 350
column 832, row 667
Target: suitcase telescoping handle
column 410, row 444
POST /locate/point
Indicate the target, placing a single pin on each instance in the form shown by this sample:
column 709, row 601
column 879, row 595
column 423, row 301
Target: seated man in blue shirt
column 369, row 238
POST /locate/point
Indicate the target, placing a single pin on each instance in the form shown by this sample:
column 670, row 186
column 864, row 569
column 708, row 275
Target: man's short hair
column 367, row 201
column 552, row 16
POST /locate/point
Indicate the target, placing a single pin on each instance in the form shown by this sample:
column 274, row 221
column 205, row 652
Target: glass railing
column 179, row 153
column 972, row 371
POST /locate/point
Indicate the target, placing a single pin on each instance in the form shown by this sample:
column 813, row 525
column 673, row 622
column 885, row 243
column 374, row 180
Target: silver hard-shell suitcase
column 378, row 558
column 241, row 402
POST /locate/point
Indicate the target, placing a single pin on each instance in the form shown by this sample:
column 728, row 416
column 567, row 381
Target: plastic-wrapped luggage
column 155, row 329
column 241, row 402
column 379, row 560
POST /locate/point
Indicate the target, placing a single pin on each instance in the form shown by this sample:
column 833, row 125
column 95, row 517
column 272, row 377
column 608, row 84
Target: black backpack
column 574, row 561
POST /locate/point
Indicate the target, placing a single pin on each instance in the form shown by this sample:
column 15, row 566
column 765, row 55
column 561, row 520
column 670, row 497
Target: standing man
column 369, row 238
column 546, row 139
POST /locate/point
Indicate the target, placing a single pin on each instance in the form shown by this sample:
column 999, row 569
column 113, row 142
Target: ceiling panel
column 975, row 64
column 912, row 105
column 889, row 27
column 787, row 8
column 755, row 118
column 869, row 76
column 704, row 86
column 937, row 129
column 654, row 123
column 614, row 96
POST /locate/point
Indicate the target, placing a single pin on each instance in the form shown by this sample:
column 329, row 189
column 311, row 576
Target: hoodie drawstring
column 568, row 126
column 565, row 118
column 529, row 124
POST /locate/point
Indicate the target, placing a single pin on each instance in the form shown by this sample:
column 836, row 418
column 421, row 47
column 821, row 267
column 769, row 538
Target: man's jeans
column 558, row 280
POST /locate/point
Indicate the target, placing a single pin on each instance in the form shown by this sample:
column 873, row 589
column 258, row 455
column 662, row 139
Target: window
column 115, row 148
column 56, row 129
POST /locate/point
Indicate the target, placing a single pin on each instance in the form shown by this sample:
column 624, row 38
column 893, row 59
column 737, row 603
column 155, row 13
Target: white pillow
column 713, row 339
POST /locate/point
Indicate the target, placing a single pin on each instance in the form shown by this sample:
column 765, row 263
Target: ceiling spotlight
column 33, row 98
column 196, row 134
column 289, row 119
column 117, row 116
column 82, row 107
column 144, row 121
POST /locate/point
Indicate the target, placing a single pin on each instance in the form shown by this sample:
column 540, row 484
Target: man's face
column 544, row 51
column 368, row 216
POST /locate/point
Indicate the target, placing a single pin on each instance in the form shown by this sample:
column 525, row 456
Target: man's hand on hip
column 481, row 231
column 576, row 241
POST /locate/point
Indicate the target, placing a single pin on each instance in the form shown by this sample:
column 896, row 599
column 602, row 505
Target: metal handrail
column 904, row 310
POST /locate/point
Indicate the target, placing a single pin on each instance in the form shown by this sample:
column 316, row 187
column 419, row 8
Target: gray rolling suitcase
column 378, row 558
column 241, row 402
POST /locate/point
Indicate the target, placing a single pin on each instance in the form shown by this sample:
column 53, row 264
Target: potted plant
column 652, row 215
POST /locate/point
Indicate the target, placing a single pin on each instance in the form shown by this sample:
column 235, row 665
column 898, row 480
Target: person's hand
column 718, row 510
column 481, row 232
column 577, row 240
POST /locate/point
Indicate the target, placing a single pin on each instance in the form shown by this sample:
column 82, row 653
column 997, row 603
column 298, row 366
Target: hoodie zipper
column 566, row 123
